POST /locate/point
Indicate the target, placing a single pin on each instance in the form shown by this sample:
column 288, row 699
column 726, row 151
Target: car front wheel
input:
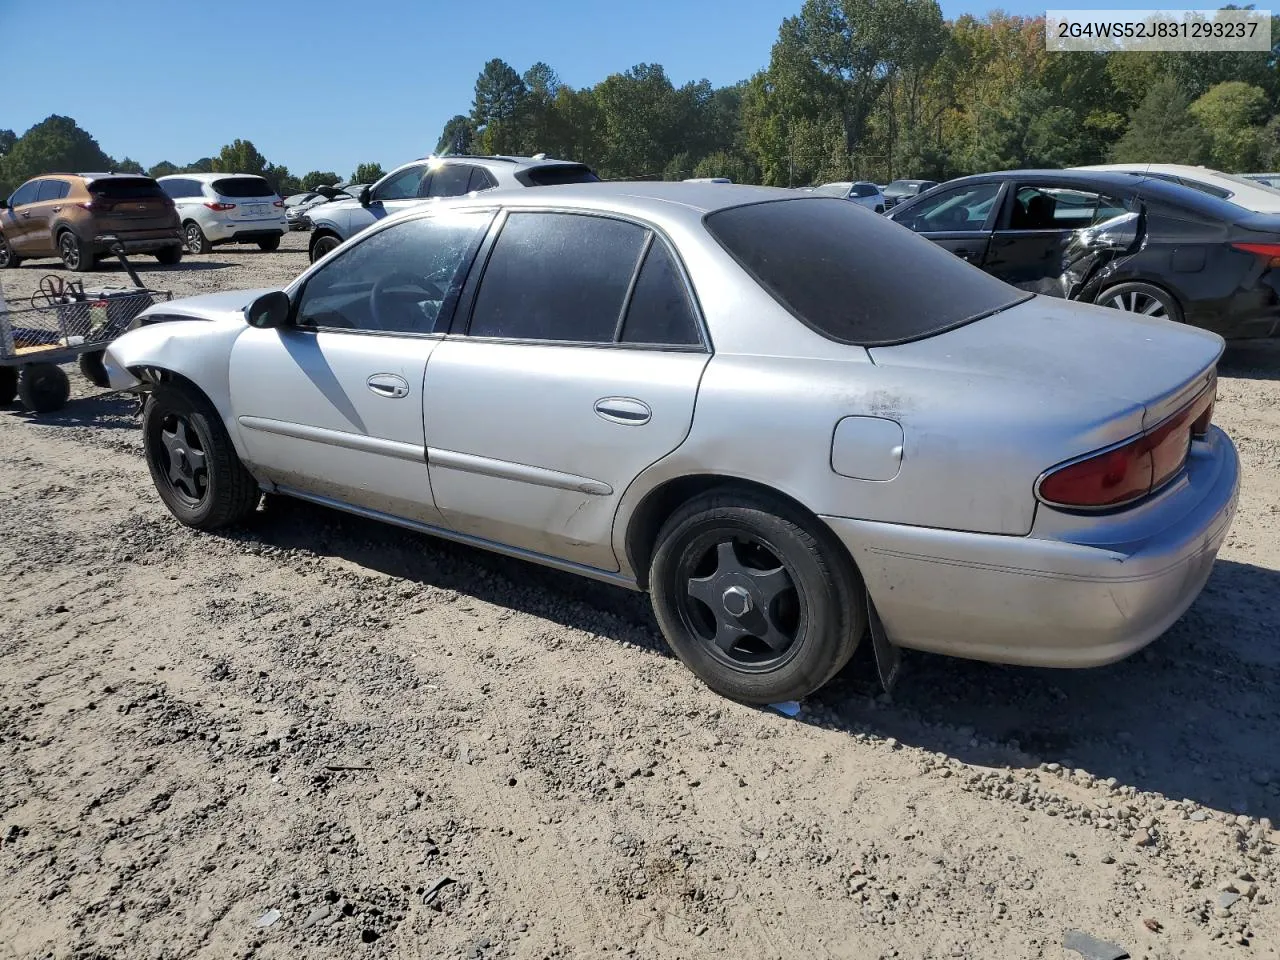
column 194, row 466
column 7, row 257
column 758, row 602
column 323, row 246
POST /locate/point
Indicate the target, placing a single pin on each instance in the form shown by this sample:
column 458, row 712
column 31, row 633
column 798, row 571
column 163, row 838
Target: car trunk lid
column 128, row 204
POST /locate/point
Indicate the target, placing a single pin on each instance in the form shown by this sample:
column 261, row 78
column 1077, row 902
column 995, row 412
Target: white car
column 862, row 192
column 1249, row 194
column 218, row 208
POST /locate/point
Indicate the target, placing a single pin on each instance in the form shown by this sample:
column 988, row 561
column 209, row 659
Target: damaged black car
column 1135, row 243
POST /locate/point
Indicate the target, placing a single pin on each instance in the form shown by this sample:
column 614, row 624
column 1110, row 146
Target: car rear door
column 331, row 406
column 578, row 368
column 959, row 219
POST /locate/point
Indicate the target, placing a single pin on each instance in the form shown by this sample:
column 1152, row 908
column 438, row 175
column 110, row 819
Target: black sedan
column 1137, row 244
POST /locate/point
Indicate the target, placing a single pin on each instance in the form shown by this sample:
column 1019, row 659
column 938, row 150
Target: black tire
column 170, row 256
column 1141, row 298
column 43, row 387
column 76, row 255
column 192, row 461
column 270, row 245
column 801, row 591
column 194, row 238
column 8, row 385
column 93, row 370
column 8, row 259
column 324, row 244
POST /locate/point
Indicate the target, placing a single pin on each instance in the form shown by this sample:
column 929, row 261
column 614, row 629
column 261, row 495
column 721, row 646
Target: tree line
column 865, row 89
column 877, row 89
column 58, row 145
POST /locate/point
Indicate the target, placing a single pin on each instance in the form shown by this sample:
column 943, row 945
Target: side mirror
column 366, row 197
column 270, row 311
column 1118, row 233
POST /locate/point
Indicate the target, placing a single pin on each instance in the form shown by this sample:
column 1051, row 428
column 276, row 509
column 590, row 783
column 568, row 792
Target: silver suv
column 433, row 178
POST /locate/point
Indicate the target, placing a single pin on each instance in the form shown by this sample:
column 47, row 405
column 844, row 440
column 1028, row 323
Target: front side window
column 963, row 208
column 852, row 277
column 402, row 185
column 25, row 194
column 557, row 276
column 398, row 280
column 450, row 180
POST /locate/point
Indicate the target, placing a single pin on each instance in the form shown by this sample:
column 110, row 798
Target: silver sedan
column 791, row 421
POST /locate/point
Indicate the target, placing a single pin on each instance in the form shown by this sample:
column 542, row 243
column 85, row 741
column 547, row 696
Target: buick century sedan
column 793, row 422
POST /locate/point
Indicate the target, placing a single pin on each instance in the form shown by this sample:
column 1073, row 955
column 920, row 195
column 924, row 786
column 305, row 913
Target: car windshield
column 853, row 276
column 902, row 188
column 242, row 187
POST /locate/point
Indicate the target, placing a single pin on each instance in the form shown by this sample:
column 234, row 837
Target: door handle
column 57, row 209
column 388, row 385
column 625, row 410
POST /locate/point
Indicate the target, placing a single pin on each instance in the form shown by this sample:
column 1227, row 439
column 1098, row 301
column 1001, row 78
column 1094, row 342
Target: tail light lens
column 221, row 207
column 1267, row 251
column 1129, row 472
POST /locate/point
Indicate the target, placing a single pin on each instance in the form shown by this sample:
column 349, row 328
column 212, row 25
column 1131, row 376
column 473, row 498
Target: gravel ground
column 324, row 737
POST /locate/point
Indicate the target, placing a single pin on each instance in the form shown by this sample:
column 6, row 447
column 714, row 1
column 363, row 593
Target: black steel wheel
column 761, row 603
column 324, row 245
column 93, row 369
column 7, row 257
column 192, row 461
column 76, row 255
column 43, row 387
column 195, row 239
column 8, row 385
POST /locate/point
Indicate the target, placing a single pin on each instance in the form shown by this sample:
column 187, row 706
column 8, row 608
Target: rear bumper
column 1049, row 602
column 251, row 235
column 246, row 231
column 147, row 241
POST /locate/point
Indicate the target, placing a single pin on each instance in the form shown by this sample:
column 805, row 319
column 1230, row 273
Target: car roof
column 1248, row 194
column 207, row 177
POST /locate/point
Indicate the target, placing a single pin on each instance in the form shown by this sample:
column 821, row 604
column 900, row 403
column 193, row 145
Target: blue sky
column 317, row 84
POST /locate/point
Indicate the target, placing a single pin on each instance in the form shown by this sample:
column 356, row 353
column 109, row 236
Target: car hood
column 1104, row 363
column 210, row 306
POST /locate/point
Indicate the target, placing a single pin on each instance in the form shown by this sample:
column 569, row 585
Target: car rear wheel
column 270, row 245
column 43, row 387
column 195, row 239
column 75, row 253
column 1143, row 298
column 170, row 255
column 93, row 369
column 8, row 385
column 7, row 257
column 757, row 601
column 192, row 461
column 323, row 246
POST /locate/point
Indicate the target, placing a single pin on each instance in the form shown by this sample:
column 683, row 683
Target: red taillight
column 1134, row 469
column 221, row 207
column 1268, row 251
column 278, row 203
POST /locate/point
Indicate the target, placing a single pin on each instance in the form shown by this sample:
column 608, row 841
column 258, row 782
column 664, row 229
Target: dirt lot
column 322, row 737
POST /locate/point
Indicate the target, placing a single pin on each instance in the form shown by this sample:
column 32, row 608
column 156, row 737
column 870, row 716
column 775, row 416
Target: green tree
column 282, row 181
column 457, row 137
column 163, row 169
column 240, row 156
column 319, row 178
column 7, row 139
column 55, row 144
column 203, row 165
column 1232, row 113
column 499, row 95
column 129, row 165
column 1162, row 129
column 368, row 173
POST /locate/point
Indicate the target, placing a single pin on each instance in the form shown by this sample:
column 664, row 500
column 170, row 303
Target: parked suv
column 218, row 208
column 432, row 178
column 71, row 215
column 862, row 192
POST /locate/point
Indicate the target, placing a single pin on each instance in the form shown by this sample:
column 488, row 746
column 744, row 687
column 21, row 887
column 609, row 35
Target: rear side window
column 52, row 190
column 480, row 180
column 557, row 276
column 853, row 276
column 241, row 187
column 659, row 311
column 550, row 176
column 126, row 188
column 450, row 180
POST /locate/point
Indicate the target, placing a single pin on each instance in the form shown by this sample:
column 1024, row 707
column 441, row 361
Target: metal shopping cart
column 61, row 322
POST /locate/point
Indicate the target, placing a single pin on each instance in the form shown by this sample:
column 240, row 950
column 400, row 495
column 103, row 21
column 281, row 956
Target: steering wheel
column 428, row 285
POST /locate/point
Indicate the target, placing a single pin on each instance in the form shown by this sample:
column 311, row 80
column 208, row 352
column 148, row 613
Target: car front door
column 399, row 191
column 1039, row 225
column 579, row 368
column 959, row 220
column 16, row 220
column 331, row 405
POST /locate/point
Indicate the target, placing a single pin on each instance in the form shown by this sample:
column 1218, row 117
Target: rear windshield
column 551, row 176
column 242, row 187
column 126, row 188
column 853, row 276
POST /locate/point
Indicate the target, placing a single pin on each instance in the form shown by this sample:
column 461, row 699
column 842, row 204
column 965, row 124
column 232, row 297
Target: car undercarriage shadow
column 1193, row 716
column 102, row 411
column 1251, row 360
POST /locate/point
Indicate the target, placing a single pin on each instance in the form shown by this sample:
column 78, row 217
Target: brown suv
column 73, row 216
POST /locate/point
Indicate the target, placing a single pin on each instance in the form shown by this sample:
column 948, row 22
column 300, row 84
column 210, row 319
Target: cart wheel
column 43, row 387
column 94, row 370
column 8, row 385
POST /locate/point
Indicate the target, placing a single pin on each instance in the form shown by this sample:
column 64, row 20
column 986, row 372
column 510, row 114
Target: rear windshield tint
column 551, row 176
column 126, row 188
column 242, row 187
column 854, row 276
